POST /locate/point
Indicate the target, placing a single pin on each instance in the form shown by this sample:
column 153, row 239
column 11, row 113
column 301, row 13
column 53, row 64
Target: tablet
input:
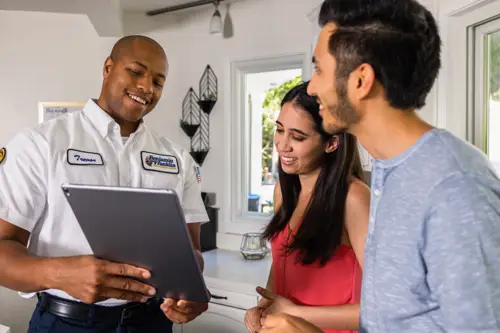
column 141, row 227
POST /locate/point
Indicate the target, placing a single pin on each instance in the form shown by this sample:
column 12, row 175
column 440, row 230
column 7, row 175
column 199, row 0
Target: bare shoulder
column 358, row 196
column 278, row 198
column 357, row 212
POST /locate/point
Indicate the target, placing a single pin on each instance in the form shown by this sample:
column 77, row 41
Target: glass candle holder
column 253, row 247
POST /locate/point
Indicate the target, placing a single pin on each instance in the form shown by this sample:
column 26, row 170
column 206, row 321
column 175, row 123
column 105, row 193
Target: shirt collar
column 397, row 160
column 101, row 120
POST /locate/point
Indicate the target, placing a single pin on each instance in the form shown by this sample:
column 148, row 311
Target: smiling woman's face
column 299, row 145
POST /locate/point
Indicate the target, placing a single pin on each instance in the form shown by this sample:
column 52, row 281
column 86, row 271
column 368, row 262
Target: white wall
column 428, row 112
column 43, row 56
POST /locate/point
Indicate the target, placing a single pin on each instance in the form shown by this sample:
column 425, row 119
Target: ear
column 332, row 144
column 362, row 81
column 108, row 64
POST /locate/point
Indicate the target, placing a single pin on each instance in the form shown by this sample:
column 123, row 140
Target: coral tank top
column 336, row 283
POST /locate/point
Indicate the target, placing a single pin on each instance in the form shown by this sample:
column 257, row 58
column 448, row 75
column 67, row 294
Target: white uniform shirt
column 86, row 147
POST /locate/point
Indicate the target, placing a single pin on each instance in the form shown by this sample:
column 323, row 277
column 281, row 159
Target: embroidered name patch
column 77, row 157
column 160, row 163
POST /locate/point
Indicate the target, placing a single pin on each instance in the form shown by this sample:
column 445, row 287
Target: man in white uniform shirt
column 107, row 143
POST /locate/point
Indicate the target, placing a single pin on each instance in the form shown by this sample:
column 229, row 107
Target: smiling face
column 337, row 111
column 297, row 141
column 133, row 81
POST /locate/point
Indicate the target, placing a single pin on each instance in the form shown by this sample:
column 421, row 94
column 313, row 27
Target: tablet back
column 142, row 227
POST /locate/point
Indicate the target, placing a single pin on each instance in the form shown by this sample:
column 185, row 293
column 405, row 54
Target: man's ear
column 332, row 144
column 362, row 81
column 108, row 64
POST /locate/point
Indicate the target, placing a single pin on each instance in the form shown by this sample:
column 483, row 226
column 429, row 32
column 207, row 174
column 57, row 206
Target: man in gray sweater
column 432, row 256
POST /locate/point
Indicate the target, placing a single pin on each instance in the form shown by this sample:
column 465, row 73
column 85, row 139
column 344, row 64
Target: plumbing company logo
column 160, row 163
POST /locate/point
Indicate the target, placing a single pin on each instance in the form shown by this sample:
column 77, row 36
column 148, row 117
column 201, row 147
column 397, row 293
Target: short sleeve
column 192, row 203
column 462, row 253
column 23, row 175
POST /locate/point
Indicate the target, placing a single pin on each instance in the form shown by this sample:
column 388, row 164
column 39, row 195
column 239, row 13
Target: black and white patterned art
column 196, row 111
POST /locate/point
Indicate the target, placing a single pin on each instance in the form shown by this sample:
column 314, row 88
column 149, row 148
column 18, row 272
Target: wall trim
column 455, row 18
column 233, row 220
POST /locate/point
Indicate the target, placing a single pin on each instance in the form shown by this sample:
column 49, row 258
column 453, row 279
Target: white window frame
column 237, row 218
column 478, row 61
column 457, row 22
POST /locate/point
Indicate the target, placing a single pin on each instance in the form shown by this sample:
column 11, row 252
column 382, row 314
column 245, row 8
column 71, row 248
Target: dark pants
column 44, row 322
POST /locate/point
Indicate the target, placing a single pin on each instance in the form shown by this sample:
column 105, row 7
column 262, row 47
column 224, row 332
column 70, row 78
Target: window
column 264, row 92
column 257, row 89
column 486, row 71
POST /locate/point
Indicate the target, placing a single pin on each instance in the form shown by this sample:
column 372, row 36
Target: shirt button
column 377, row 192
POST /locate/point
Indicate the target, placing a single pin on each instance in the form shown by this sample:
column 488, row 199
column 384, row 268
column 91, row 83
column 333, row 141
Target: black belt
column 130, row 313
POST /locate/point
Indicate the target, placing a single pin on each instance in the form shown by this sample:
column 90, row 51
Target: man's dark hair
column 320, row 232
column 126, row 42
column 398, row 38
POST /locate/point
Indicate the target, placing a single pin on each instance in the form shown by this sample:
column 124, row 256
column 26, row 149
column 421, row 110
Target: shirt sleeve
column 192, row 203
column 23, row 174
column 462, row 253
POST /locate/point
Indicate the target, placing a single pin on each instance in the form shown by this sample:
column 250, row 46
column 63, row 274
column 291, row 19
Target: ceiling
column 145, row 5
column 76, row 6
column 105, row 15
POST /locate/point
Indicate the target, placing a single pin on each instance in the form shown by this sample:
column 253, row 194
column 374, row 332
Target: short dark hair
column 126, row 42
column 320, row 232
column 398, row 38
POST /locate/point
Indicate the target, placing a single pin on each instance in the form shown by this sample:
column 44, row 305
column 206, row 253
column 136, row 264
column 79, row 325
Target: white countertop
column 229, row 270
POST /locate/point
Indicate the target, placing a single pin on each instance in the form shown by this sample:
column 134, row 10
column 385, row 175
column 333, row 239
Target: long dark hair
column 320, row 232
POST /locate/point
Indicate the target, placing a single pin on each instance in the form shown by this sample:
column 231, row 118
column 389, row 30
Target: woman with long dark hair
column 320, row 223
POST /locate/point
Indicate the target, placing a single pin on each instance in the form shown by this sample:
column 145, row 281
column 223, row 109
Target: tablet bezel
column 95, row 215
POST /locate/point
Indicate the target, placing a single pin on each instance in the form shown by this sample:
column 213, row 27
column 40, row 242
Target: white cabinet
column 231, row 280
column 177, row 328
column 217, row 319
column 225, row 314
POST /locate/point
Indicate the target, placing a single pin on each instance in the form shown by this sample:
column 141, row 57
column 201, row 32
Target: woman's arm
column 357, row 213
column 270, row 280
column 340, row 317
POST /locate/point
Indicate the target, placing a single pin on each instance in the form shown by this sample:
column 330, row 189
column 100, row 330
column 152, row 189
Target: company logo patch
column 78, row 157
column 3, row 153
column 160, row 163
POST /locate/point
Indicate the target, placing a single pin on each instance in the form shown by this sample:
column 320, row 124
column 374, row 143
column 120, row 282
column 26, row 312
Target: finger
column 129, row 285
column 271, row 330
column 182, row 310
column 270, row 321
column 266, row 293
column 176, row 316
column 248, row 324
column 169, row 302
column 125, row 270
column 122, row 294
column 252, row 327
column 252, row 320
column 192, row 307
column 184, row 304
